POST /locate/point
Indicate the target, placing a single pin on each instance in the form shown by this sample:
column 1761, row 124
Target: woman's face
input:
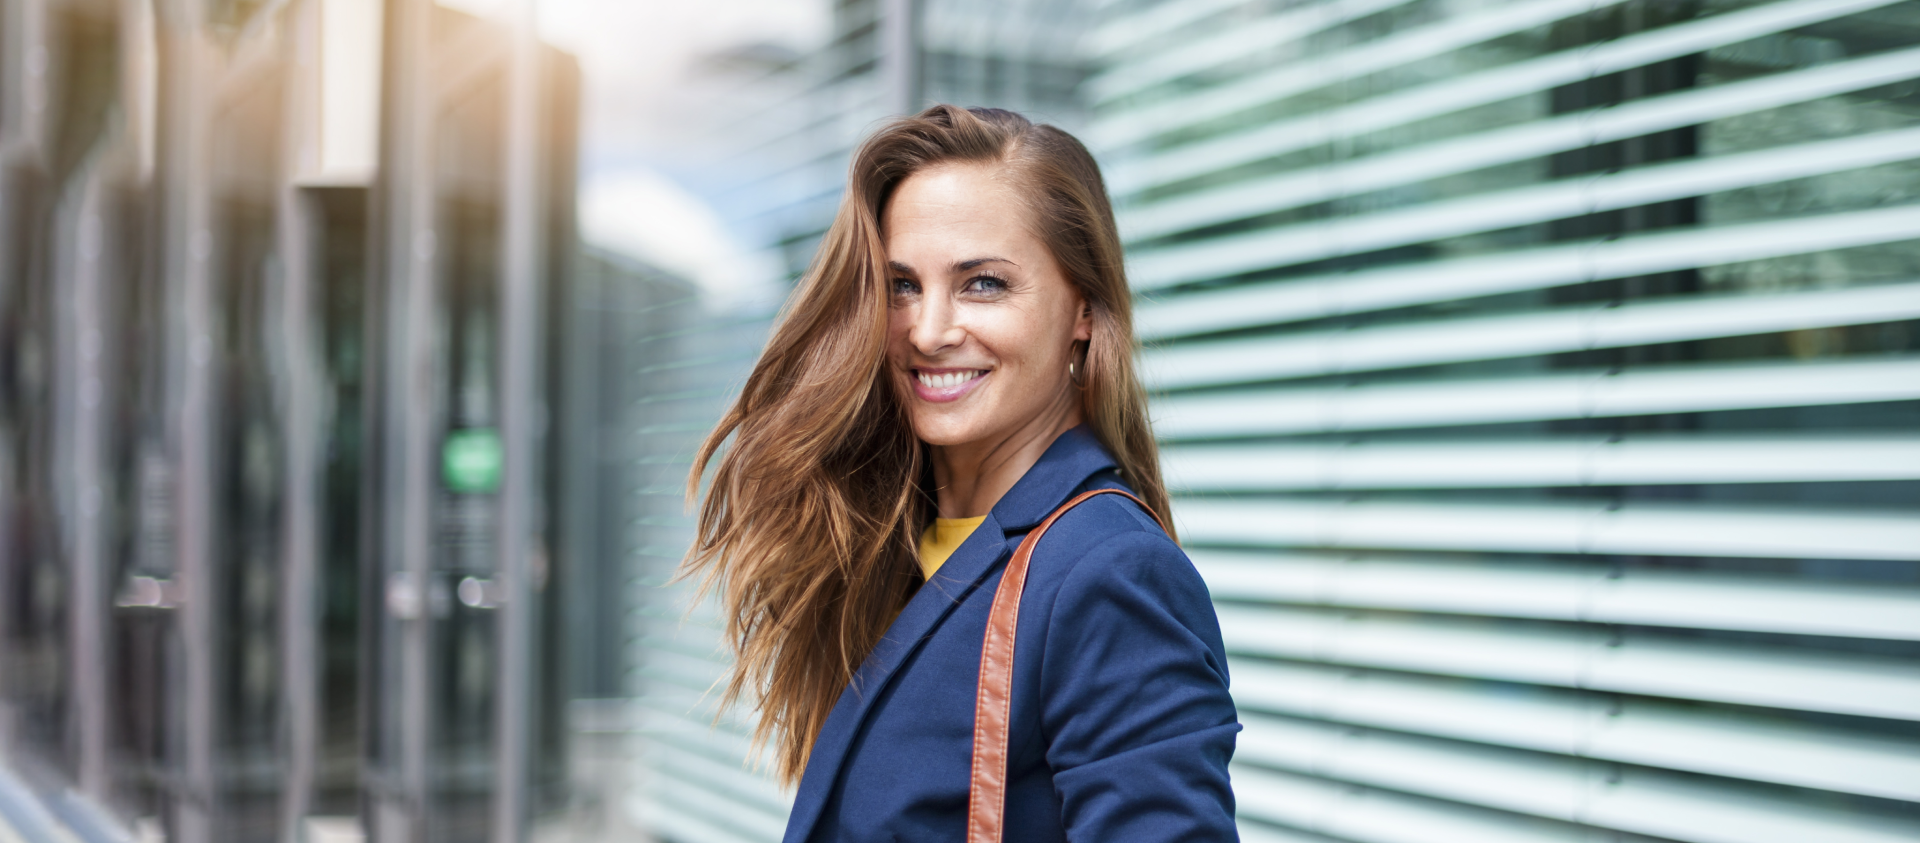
column 983, row 321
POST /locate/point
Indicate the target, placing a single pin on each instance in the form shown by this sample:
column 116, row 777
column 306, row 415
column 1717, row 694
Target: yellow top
column 942, row 538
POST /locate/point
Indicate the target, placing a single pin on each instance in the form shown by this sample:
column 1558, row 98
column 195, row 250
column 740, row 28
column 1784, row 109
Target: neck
column 971, row 478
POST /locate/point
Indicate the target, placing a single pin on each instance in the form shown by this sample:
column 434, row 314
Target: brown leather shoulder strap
column 987, row 798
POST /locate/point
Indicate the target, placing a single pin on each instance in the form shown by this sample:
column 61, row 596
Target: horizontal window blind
column 697, row 780
column 1534, row 332
column 1539, row 386
column 1449, row 93
column 1560, row 461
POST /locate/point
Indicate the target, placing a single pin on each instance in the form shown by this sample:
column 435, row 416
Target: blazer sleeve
column 1138, row 719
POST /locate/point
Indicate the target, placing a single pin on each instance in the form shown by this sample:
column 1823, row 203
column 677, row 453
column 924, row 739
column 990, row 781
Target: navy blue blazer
column 1121, row 721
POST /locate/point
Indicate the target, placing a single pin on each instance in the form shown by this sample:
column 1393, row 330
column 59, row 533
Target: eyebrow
column 962, row 266
column 976, row 263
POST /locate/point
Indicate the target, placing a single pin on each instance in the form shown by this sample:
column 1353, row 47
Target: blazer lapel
column 964, row 571
column 1072, row 458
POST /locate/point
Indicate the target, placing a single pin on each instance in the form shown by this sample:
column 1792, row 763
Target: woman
column 956, row 365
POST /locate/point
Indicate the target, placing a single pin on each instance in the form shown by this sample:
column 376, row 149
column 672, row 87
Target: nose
column 935, row 326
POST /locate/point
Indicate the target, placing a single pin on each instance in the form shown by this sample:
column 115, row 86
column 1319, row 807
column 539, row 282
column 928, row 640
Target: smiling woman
column 984, row 345
column 952, row 379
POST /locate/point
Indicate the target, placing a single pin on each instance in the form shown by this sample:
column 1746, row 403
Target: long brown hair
column 810, row 524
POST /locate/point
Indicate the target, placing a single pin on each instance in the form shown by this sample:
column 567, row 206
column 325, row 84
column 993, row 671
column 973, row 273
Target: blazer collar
column 1067, row 464
column 1072, row 458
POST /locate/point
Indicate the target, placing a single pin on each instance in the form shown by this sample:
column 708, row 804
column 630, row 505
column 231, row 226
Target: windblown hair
column 809, row 527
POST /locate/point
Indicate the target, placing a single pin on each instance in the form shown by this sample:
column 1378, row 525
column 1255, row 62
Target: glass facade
column 1540, row 378
column 282, row 372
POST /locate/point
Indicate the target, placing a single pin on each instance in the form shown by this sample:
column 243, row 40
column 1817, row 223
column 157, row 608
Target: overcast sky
column 639, row 110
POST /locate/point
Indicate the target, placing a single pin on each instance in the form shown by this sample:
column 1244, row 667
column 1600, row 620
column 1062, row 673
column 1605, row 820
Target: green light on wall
column 470, row 460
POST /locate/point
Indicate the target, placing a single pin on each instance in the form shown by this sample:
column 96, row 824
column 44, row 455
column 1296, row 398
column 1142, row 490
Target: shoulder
column 1112, row 514
column 1110, row 539
column 1117, row 598
column 1106, row 522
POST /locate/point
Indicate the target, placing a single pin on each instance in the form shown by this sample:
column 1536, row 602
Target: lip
column 942, row 395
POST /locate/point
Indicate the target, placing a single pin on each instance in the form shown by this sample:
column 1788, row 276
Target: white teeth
column 948, row 380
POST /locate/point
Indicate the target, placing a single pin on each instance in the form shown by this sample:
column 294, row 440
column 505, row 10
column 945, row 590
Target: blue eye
column 986, row 284
column 905, row 287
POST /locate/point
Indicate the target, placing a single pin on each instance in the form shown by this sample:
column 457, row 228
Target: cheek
column 899, row 324
column 1026, row 341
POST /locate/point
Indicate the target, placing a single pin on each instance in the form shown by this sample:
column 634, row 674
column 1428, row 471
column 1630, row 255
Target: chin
column 944, row 432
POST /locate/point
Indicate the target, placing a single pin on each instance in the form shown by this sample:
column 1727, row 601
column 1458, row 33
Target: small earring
column 1073, row 371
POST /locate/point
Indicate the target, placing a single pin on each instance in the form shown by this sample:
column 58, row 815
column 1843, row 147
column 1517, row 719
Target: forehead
column 956, row 206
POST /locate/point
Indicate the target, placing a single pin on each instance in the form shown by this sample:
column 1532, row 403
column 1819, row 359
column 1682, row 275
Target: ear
column 1083, row 323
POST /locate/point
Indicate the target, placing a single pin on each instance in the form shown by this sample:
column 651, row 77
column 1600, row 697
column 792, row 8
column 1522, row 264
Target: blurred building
column 302, row 380
column 1540, row 378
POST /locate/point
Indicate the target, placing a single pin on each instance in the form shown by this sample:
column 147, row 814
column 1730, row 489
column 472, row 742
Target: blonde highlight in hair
column 808, row 528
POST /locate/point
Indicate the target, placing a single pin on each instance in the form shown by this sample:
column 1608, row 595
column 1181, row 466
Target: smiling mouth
column 947, row 380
